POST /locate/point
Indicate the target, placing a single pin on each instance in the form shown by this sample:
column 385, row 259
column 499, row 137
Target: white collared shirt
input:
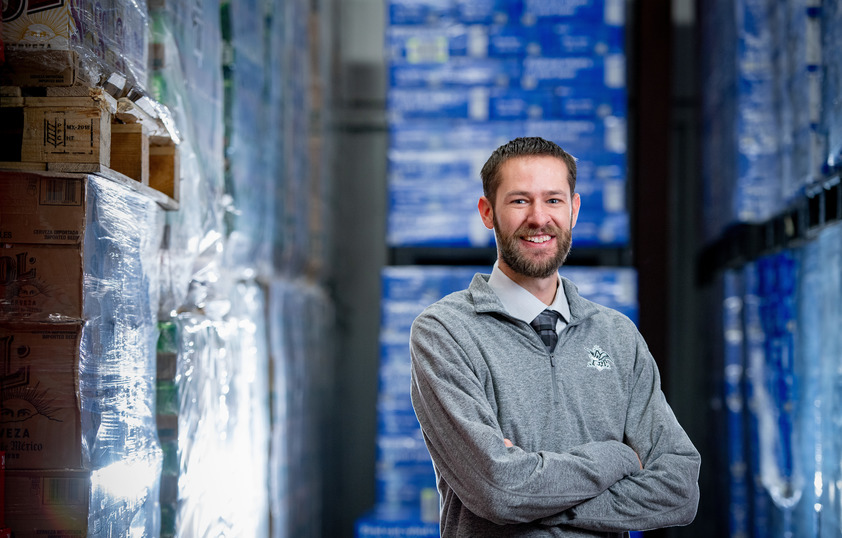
column 521, row 304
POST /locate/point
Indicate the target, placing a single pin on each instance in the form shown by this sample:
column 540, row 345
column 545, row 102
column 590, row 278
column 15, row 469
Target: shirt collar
column 520, row 303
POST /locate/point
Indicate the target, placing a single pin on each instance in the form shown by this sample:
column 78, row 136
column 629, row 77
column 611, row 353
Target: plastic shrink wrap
column 186, row 76
column 222, row 387
column 249, row 180
column 301, row 315
column 781, row 390
column 74, row 42
column 78, row 335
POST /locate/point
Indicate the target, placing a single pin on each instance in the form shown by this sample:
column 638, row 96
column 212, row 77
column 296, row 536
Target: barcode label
column 64, row 491
column 61, row 191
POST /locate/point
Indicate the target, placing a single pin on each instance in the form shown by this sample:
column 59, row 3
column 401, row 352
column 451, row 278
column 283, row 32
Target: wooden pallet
column 82, row 130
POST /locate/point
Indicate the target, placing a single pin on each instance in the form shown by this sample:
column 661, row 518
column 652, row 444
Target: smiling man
column 543, row 411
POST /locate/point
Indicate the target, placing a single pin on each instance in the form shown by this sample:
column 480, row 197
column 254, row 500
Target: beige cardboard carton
column 41, row 208
column 40, row 417
column 48, row 503
column 40, row 282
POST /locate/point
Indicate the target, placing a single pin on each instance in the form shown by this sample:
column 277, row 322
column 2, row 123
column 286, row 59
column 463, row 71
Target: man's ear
column 577, row 202
column 486, row 212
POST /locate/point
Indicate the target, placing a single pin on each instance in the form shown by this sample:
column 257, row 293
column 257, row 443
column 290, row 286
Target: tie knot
column 547, row 317
column 544, row 324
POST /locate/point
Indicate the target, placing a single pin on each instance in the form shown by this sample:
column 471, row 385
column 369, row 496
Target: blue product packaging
column 831, row 86
column 452, row 134
column 591, row 71
column 441, row 166
column 506, row 104
column 395, row 524
column 594, row 229
column 555, row 40
column 427, row 215
column 586, row 136
column 462, row 72
column 830, row 388
column 614, row 287
column 404, row 104
column 603, row 197
column 424, row 12
column 435, row 44
column 760, row 504
column 733, row 377
column 486, row 12
column 425, row 284
column 611, row 12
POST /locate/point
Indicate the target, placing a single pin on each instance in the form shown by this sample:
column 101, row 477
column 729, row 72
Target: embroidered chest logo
column 599, row 359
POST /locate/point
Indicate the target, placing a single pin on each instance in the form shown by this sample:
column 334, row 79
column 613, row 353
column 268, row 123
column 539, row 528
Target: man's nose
column 538, row 215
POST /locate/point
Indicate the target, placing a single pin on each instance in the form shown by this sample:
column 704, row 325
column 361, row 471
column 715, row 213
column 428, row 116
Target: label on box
column 40, row 282
column 40, row 422
column 38, row 208
column 48, row 503
column 38, row 25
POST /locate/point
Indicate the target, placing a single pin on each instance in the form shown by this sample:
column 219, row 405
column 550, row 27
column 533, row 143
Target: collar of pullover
column 486, row 301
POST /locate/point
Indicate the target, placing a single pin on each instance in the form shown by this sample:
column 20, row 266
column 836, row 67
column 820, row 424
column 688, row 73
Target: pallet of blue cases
column 466, row 77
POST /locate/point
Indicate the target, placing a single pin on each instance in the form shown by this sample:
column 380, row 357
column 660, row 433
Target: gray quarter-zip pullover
column 579, row 419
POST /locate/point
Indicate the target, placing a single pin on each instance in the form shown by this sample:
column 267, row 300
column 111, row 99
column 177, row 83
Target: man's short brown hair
column 523, row 147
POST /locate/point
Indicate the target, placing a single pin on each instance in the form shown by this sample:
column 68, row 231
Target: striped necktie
column 544, row 324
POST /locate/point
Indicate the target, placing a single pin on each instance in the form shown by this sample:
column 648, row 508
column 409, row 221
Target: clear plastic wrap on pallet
column 815, row 287
column 292, row 234
column 829, row 431
column 273, row 155
column 248, row 182
column 223, row 417
column 186, row 76
column 733, row 377
column 301, row 316
column 74, row 242
column 83, row 379
column 831, row 86
column 118, row 500
column 75, row 42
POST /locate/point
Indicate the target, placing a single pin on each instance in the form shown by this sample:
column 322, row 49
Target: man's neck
column 542, row 288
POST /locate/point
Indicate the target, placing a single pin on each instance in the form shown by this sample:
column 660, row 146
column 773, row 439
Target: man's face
column 533, row 215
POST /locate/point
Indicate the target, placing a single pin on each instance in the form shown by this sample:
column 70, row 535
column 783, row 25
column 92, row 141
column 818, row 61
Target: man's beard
column 509, row 248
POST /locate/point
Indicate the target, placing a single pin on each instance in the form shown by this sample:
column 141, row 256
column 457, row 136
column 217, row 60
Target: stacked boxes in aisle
column 302, row 318
column 167, row 410
column 186, row 76
column 246, row 175
column 465, row 78
column 782, row 381
column 406, row 496
column 762, row 114
column 293, row 239
column 237, row 75
column 78, row 306
column 74, row 42
column 222, row 389
column 803, row 142
column 831, row 117
column 733, row 397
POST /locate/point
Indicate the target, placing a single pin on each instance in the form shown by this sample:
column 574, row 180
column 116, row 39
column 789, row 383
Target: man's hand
column 509, row 443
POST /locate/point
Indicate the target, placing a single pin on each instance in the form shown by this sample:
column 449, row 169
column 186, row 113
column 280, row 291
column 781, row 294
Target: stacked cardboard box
column 74, row 42
column 77, row 307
